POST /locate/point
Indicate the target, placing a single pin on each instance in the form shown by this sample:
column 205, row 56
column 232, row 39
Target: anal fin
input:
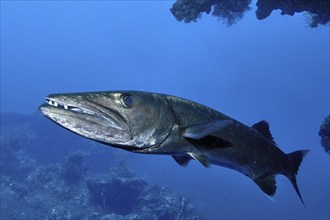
column 267, row 184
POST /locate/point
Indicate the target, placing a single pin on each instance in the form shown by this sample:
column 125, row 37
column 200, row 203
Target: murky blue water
column 276, row 69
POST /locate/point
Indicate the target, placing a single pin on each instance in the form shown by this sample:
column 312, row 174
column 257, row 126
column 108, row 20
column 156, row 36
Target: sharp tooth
column 65, row 107
column 50, row 102
column 55, row 104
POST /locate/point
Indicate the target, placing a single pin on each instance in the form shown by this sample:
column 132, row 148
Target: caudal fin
column 296, row 158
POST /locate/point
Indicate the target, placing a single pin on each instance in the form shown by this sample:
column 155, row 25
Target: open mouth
column 79, row 111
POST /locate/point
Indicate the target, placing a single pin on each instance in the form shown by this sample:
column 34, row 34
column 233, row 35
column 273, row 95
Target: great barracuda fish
column 150, row 123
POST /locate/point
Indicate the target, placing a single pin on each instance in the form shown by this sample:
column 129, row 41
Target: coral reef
column 69, row 190
column 231, row 11
column 318, row 11
column 228, row 11
column 325, row 134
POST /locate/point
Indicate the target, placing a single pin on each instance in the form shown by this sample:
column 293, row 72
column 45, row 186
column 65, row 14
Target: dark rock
column 325, row 134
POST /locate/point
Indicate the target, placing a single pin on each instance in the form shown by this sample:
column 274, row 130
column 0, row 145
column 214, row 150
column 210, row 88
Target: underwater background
column 275, row 69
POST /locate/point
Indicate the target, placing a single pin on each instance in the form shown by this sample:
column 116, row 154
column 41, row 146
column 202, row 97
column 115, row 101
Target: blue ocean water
column 276, row 69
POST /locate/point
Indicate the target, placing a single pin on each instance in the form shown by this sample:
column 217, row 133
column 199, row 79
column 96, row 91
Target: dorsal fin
column 263, row 128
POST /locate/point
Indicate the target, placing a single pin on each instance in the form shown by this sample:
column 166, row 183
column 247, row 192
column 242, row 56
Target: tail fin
column 296, row 158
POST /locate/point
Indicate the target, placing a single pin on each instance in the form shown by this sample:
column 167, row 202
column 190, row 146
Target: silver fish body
column 152, row 123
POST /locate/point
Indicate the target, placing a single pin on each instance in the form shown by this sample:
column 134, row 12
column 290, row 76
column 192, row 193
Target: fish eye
column 127, row 100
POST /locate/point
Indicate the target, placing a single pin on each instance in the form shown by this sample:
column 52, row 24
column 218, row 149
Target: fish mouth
column 59, row 110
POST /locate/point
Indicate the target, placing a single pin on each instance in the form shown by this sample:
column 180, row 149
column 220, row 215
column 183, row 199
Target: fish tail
column 296, row 157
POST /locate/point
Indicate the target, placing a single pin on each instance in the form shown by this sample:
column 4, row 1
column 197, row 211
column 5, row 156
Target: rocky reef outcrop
column 69, row 190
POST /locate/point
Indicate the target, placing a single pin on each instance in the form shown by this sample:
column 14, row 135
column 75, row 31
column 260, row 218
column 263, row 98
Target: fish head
column 130, row 120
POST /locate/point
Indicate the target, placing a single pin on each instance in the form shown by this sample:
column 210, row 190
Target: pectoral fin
column 200, row 158
column 201, row 130
column 184, row 160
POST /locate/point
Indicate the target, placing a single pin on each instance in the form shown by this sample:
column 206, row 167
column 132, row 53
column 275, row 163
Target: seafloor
column 47, row 174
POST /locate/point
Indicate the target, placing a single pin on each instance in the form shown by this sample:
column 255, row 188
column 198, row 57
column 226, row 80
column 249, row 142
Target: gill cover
column 150, row 117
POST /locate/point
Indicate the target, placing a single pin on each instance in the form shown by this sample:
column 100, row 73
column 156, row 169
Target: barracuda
column 150, row 123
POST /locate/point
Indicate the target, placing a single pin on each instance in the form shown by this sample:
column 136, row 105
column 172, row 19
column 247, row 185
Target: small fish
column 151, row 123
